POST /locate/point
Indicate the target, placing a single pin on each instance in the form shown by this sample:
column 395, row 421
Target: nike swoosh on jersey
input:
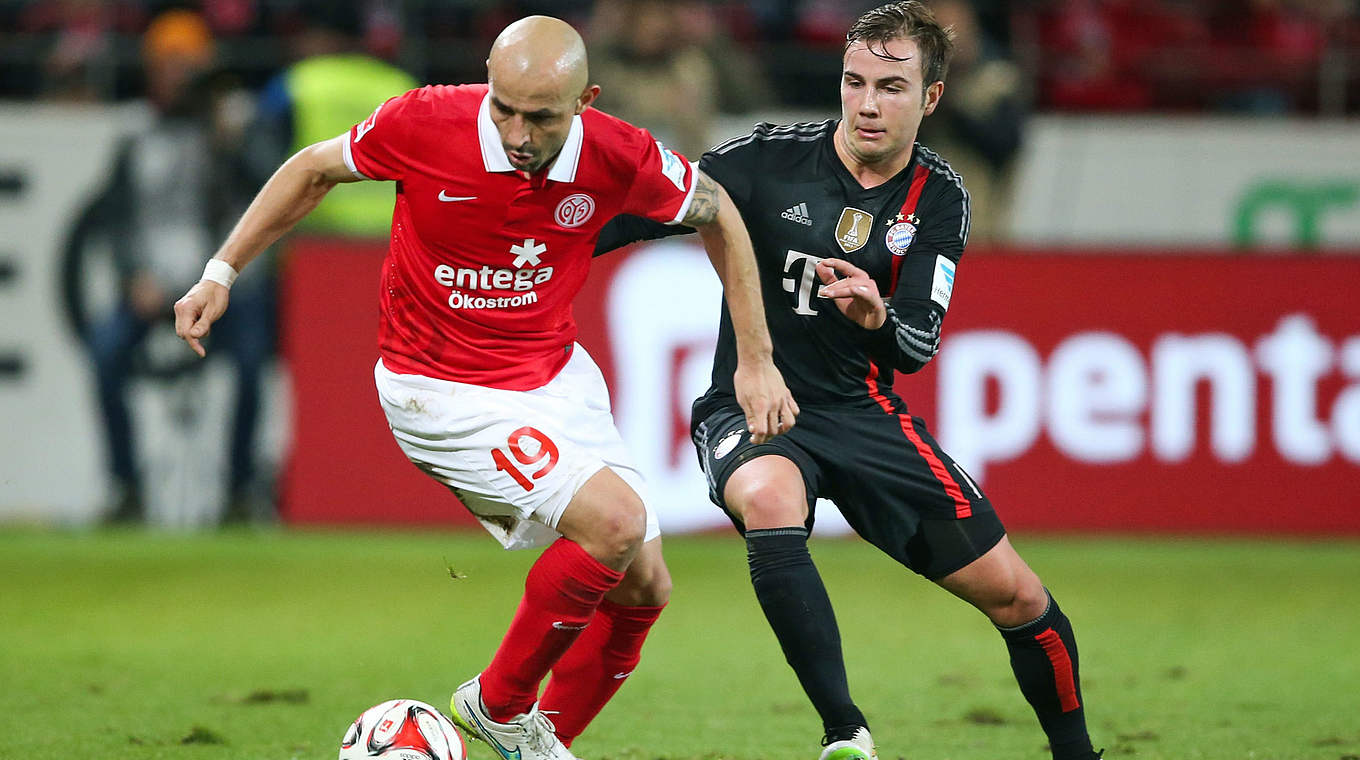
column 443, row 196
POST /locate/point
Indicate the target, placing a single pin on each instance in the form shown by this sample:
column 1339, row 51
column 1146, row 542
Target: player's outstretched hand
column 853, row 291
column 197, row 310
column 769, row 407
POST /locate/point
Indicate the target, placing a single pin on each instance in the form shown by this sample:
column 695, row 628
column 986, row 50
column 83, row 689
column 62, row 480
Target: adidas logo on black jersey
column 798, row 214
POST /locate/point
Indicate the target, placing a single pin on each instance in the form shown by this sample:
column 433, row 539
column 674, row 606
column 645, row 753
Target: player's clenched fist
column 197, row 310
column 762, row 394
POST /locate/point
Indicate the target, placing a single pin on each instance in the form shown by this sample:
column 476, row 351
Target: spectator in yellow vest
column 332, row 86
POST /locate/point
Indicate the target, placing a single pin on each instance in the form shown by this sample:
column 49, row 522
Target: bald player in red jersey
column 502, row 190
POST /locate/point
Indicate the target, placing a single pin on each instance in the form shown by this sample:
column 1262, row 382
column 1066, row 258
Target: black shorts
column 884, row 471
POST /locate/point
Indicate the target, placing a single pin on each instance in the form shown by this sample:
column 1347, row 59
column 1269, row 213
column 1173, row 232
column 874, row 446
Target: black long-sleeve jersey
column 801, row 205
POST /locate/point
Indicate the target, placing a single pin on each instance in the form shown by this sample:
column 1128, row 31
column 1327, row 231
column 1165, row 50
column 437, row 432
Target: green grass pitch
column 266, row 645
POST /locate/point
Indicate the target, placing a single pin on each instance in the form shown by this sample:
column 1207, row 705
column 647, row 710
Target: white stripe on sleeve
column 348, row 153
column 689, row 196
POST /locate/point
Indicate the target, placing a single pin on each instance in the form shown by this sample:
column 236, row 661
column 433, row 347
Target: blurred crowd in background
column 1273, row 56
column 675, row 66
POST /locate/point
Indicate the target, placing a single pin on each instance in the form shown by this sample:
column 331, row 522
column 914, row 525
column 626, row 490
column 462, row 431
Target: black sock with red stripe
column 1044, row 658
column 795, row 602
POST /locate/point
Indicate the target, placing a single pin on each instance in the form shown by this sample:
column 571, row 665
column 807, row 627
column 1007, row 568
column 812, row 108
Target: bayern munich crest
column 901, row 235
column 575, row 210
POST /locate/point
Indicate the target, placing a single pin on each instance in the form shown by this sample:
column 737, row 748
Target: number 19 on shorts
column 541, row 448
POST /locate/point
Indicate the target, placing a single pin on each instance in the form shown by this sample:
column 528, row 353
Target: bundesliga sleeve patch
column 672, row 166
column 367, row 125
column 943, row 285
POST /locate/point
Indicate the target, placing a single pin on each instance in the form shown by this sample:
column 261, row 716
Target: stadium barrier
column 1087, row 390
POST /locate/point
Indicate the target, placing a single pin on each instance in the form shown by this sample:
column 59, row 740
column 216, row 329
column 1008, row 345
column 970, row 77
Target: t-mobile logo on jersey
column 802, row 286
column 524, row 277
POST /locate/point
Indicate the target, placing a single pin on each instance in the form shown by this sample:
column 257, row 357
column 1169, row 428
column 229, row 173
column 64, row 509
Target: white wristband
column 220, row 272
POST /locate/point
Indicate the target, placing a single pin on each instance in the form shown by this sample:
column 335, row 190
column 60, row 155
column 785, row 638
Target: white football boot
column 858, row 746
column 528, row 736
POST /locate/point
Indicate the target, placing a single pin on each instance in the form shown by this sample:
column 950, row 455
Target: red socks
column 595, row 667
column 561, row 593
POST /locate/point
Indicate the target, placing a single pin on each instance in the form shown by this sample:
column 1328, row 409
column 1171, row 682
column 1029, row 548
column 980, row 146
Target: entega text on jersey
column 484, row 262
column 802, row 205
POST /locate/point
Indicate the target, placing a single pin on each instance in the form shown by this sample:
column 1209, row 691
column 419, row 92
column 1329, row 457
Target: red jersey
column 484, row 263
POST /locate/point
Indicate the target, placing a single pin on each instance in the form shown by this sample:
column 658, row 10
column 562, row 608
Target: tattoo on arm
column 703, row 207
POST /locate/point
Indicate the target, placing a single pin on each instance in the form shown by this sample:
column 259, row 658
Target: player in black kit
column 858, row 232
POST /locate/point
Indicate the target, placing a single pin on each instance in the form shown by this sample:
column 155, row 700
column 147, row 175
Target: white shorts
column 514, row 458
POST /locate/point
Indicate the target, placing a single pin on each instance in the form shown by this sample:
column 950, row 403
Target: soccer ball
column 402, row 729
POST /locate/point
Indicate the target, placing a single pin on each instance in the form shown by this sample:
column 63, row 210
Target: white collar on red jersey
column 563, row 167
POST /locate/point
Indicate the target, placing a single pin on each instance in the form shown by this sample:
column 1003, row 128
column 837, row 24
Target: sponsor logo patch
column 942, row 287
column 672, row 166
column 852, row 230
column 575, row 210
column 484, row 287
column 527, row 253
column 367, row 124
column 797, row 213
column 726, row 444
